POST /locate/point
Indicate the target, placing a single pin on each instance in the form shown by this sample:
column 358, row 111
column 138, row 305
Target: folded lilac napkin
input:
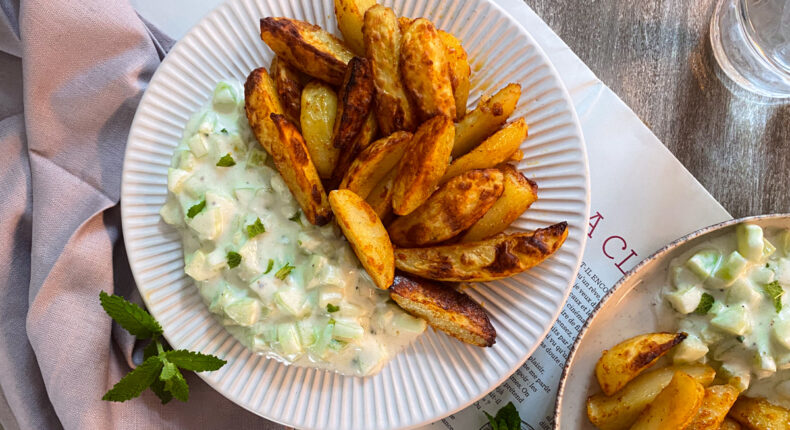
column 71, row 75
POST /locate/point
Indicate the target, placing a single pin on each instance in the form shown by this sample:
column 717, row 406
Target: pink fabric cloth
column 71, row 75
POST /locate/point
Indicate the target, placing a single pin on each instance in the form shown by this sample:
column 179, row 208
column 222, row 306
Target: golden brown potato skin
column 730, row 424
column 717, row 402
column 366, row 234
column 289, row 84
column 518, row 195
column 380, row 198
column 319, row 106
column 626, row 360
column 426, row 71
column 382, row 43
column 495, row 258
column 260, row 101
column 423, row 165
column 674, row 407
column 759, row 414
column 354, row 104
column 460, row 71
column 454, row 207
column 350, row 15
column 307, row 47
column 485, row 119
column 292, row 160
column 496, row 149
column 621, row 410
column 445, row 309
column 375, row 162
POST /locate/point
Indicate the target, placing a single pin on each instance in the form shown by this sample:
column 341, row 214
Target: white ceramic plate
column 630, row 308
column 435, row 376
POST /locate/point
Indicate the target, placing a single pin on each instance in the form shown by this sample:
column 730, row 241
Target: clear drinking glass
column 751, row 42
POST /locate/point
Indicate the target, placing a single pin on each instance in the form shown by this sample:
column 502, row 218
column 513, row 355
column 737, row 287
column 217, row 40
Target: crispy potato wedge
column 518, row 195
column 674, row 407
column 495, row 258
column 454, row 207
column 621, row 410
column 307, row 47
column 493, row 151
column 382, row 44
column 460, row 71
column 366, row 234
column 375, row 162
column 367, row 135
column 717, row 402
column 319, row 106
column 403, row 23
column 423, row 165
column 292, row 160
column 380, row 198
column 445, row 309
column 631, row 357
column 426, row 71
column 516, row 156
column 730, row 424
column 759, row 414
column 354, row 104
column 260, row 101
column 485, row 119
column 289, row 83
column 350, row 16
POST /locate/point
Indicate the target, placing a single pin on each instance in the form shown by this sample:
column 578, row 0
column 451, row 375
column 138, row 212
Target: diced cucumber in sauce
column 408, row 323
column 685, row 301
column 291, row 299
column 703, row 263
column 288, row 338
column 245, row 312
column 734, row 320
column 347, row 330
column 750, row 241
column 731, row 268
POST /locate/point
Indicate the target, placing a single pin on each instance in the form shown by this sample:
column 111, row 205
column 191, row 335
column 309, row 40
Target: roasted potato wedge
column 518, row 195
column 717, row 402
column 730, row 424
column 460, row 71
column 426, row 71
column 380, row 198
column 423, row 165
column 445, row 309
column 367, row 135
column 516, row 156
column 260, row 101
column 630, row 357
column 759, row 414
column 454, row 207
column 292, row 160
column 366, row 234
column 289, row 84
column 621, row 410
column 382, row 44
column 350, row 16
column 354, row 103
column 493, row 151
column 485, row 119
column 495, row 258
column 375, row 162
column 307, row 47
column 403, row 23
column 319, row 106
column 674, row 407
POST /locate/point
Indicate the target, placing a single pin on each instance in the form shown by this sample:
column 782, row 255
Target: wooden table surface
column 656, row 56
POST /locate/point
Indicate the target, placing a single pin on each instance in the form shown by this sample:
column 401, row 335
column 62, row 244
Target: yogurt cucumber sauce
column 729, row 296
column 282, row 286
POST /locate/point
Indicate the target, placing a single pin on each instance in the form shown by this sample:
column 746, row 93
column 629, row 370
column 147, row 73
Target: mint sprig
column 160, row 368
column 506, row 418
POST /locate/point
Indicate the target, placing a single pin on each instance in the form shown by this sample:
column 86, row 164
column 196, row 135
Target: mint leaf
column 705, row 303
column 150, row 350
column 255, row 228
column 194, row 361
column 284, row 271
column 131, row 317
column 234, row 259
column 269, row 266
column 775, row 292
column 506, row 418
column 226, row 161
column 168, row 371
column 158, row 387
column 224, row 131
column 297, row 218
column 195, row 209
column 131, row 385
column 332, row 308
column 178, row 387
